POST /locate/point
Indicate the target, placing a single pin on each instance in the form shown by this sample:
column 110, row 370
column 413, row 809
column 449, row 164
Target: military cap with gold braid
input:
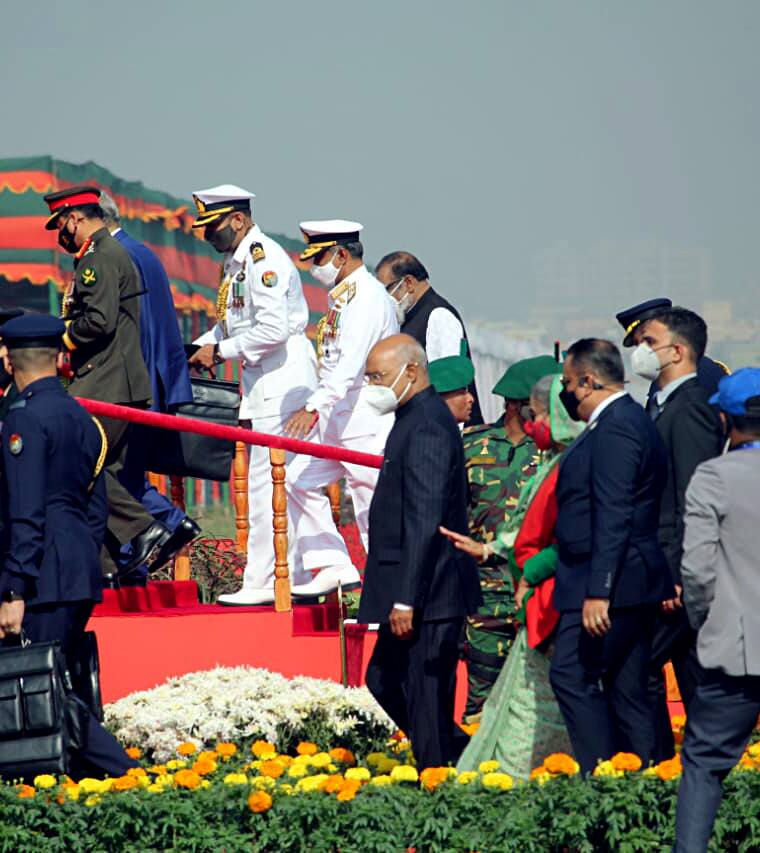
column 216, row 202
column 323, row 233
column 63, row 200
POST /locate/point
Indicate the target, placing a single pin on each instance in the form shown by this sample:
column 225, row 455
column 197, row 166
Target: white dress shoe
column 327, row 581
column 247, row 598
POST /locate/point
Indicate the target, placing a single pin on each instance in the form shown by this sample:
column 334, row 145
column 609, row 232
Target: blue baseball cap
column 736, row 390
column 32, row 330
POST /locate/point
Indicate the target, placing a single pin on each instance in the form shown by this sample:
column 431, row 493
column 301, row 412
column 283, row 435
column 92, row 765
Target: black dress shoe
column 147, row 543
column 186, row 531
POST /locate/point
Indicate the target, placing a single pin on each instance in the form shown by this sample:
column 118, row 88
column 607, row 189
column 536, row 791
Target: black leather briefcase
column 41, row 722
column 186, row 454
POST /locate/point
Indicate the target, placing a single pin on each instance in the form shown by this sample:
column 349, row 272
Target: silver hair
column 540, row 391
column 110, row 209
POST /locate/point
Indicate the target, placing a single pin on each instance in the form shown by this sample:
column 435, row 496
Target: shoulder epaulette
column 472, row 430
column 19, row 404
column 257, row 252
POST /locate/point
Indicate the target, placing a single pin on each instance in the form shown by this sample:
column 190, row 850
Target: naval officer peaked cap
column 33, row 330
column 321, row 234
column 632, row 318
column 216, row 202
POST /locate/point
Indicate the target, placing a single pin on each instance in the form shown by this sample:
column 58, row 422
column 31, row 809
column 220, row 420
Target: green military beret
column 520, row 377
column 451, row 373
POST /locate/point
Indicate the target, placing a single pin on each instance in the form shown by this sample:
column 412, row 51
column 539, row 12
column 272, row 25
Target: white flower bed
column 235, row 703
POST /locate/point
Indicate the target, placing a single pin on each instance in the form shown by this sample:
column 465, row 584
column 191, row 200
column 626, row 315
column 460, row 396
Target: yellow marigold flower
column 561, row 764
column 401, row 746
column 670, row 769
column 264, row 783
column 306, row 747
column 607, row 768
column 92, row 800
column 331, row 768
column 134, row 752
column 91, row 786
column 466, row 777
column 205, row 783
column 650, row 771
column 204, row 766
column 226, row 750
column 236, row 779
column 187, row 748
column 312, row 783
column 432, row 777
column 259, row 801
column 176, row 764
column 286, row 789
column 187, row 779
column 25, row 792
column 321, row 759
column 754, row 750
column 488, row 766
column 45, row 781
column 72, row 791
column 296, row 771
column 333, row 784
column 627, row 761
column 502, row 781
column 404, row 773
column 383, row 779
column 125, row 783
column 272, row 769
column 387, row 764
column 155, row 788
column 358, row 774
column 374, row 758
column 343, row 756
column 262, row 749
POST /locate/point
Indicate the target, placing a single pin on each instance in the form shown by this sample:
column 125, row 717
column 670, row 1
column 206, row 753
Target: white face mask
column 646, row 363
column 401, row 305
column 325, row 274
column 382, row 398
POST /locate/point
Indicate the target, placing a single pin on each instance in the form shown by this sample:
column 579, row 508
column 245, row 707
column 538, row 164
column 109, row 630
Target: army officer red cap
column 63, row 200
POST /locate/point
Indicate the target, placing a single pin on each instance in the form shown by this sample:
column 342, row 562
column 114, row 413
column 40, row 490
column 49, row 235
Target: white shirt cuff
column 398, row 606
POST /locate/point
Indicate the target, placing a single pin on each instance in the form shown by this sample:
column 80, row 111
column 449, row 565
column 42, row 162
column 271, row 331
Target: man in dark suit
column 101, row 310
column 672, row 343
column 416, row 584
column 611, row 574
column 53, row 452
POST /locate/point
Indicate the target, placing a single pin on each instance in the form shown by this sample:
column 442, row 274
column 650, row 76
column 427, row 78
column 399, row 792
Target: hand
column 204, row 358
column 673, row 604
column 464, row 543
column 11, row 617
column 401, row 623
column 596, row 617
column 301, row 424
column 522, row 590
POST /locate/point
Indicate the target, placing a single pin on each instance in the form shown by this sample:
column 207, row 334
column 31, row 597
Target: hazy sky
column 474, row 134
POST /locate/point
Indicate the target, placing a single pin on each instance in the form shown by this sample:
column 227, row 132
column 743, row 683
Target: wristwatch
column 10, row 595
column 218, row 359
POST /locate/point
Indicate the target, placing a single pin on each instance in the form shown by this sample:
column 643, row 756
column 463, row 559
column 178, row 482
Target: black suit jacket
column 422, row 485
column 608, row 497
column 691, row 432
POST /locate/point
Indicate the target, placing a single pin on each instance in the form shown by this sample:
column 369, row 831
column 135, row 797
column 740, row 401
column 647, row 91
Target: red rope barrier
column 262, row 439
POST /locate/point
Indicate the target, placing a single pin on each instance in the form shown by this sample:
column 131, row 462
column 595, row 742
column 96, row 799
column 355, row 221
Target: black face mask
column 66, row 241
column 571, row 403
column 222, row 238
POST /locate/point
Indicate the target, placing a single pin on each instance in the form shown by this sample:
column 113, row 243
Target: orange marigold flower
column 262, row 747
column 158, row 769
column 273, row 769
column 207, row 755
column 538, row 771
column 25, row 792
column 226, row 750
column 187, row 779
column 187, row 748
column 334, row 784
column 204, row 766
column 259, row 801
column 344, row 756
column 432, row 777
column 306, row 747
column 560, row 763
column 134, row 752
column 626, row 761
column 125, row 783
column 667, row 770
column 133, row 771
column 347, row 793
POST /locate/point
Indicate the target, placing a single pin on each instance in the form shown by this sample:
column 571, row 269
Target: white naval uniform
column 267, row 334
column 363, row 315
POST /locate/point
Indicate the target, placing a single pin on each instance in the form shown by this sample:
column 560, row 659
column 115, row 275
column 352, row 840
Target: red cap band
column 74, row 201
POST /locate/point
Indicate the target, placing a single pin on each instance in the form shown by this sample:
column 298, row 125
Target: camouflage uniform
column 496, row 472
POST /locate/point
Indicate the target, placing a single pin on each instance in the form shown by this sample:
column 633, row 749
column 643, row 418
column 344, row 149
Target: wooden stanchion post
column 333, row 493
column 280, row 528
column 240, row 488
column 182, row 559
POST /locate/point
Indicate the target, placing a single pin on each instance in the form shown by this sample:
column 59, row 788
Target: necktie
column 654, row 409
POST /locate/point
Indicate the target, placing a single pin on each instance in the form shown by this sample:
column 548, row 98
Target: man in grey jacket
column 720, row 590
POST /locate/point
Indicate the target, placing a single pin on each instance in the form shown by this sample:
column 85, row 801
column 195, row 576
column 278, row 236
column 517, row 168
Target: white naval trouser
column 319, row 543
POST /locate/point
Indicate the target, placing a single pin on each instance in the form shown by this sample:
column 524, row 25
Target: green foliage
column 632, row 814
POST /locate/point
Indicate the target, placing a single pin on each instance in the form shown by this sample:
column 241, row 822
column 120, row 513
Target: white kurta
column 360, row 313
column 265, row 329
